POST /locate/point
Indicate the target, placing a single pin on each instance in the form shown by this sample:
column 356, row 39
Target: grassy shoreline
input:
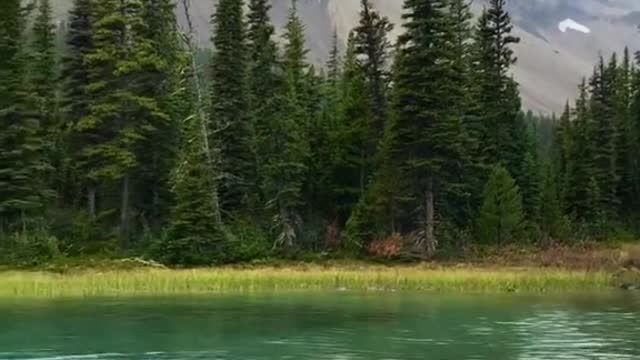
column 162, row 282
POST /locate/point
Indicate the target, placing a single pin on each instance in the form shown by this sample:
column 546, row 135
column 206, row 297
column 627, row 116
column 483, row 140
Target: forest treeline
column 118, row 140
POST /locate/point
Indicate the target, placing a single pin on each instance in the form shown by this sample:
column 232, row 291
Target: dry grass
column 585, row 256
column 369, row 278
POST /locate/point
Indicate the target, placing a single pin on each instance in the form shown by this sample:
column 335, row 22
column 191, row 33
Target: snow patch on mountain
column 570, row 24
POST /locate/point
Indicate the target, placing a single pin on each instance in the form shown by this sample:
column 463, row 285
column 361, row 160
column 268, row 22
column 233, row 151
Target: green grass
column 142, row 282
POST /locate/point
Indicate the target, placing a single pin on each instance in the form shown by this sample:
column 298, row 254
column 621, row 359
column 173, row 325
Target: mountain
column 551, row 61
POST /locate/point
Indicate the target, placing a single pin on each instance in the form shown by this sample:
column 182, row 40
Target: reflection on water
column 579, row 335
column 337, row 326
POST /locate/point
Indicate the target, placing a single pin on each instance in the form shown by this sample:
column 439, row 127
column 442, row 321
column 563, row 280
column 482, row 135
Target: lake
column 339, row 326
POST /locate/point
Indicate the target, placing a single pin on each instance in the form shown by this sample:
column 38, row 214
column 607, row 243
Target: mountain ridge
column 551, row 62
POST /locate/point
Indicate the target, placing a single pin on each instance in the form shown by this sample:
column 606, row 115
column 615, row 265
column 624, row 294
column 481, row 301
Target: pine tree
column 231, row 120
column 496, row 92
column 563, row 148
column 364, row 107
column 335, row 62
column 288, row 145
column 295, row 52
column 265, row 81
column 604, row 135
column 354, row 134
column 501, row 215
column 158, row 36
column 21, row 160
column 332, row 87
column 195, row 234
column 122, row 114
column 43, row 65
column 75, row 106
column 635, row 139
column 330, row 123
column 43, row 80
column 581, row 160
column 317, row 132
column 372, row 48
column 460, row 199
column 428, row 143
column 625, row 131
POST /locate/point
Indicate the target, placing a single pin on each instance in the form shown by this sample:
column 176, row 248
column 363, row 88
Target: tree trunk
column 124, row 213
column 430, row 216
column 363, row 170
column 155, row 202
column 91, row 201
column 392, row 215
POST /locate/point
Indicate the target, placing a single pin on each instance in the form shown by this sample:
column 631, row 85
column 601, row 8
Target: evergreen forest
column 121, row 134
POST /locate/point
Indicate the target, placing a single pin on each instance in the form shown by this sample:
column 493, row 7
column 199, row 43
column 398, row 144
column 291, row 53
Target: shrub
column 388, row 247
column 30, row 248
column 80, row 234
column 501, row 216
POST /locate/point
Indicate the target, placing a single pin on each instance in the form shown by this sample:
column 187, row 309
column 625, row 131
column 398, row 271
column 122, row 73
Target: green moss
column 202, row 281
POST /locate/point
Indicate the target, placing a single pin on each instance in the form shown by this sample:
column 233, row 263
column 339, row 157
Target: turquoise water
column 338, row 326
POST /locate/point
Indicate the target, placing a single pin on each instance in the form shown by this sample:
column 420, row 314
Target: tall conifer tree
column 427, row 142
column 265, row 81
column 43, row 65
column 604, row 133
column 158, row 80
column 231, row 122
column 21, row 160
column 75, row 106
column 287, row 164
column 123, row 115
column 496, row 92
column 372, row 47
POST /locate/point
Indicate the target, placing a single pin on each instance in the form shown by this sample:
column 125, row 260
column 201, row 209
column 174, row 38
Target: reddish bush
column 389, row 247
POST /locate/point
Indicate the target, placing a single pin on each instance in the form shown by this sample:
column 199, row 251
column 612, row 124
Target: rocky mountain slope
column 561, row 39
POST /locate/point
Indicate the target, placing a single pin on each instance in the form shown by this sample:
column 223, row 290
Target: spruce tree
column 501, row 215
column 354, row 134
column 462, row 199
column 43, row 65
column 334, row 62
column 495, row 91
column 428, row 139
column 75, row 106
column 372, row 47
column 330, row 125
column 625, row 131
column 604, row 133
column 264, row 82
column 635, row 139
column 231, row 122
column 43, row 80
column 562, row 151
column 581, row 160
column 22, row 193
column 158, row 80
column 123, row 115
column 332, row 86
column 365, row 101
column 195, row 233
column 295, row 52
column 286, row 166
